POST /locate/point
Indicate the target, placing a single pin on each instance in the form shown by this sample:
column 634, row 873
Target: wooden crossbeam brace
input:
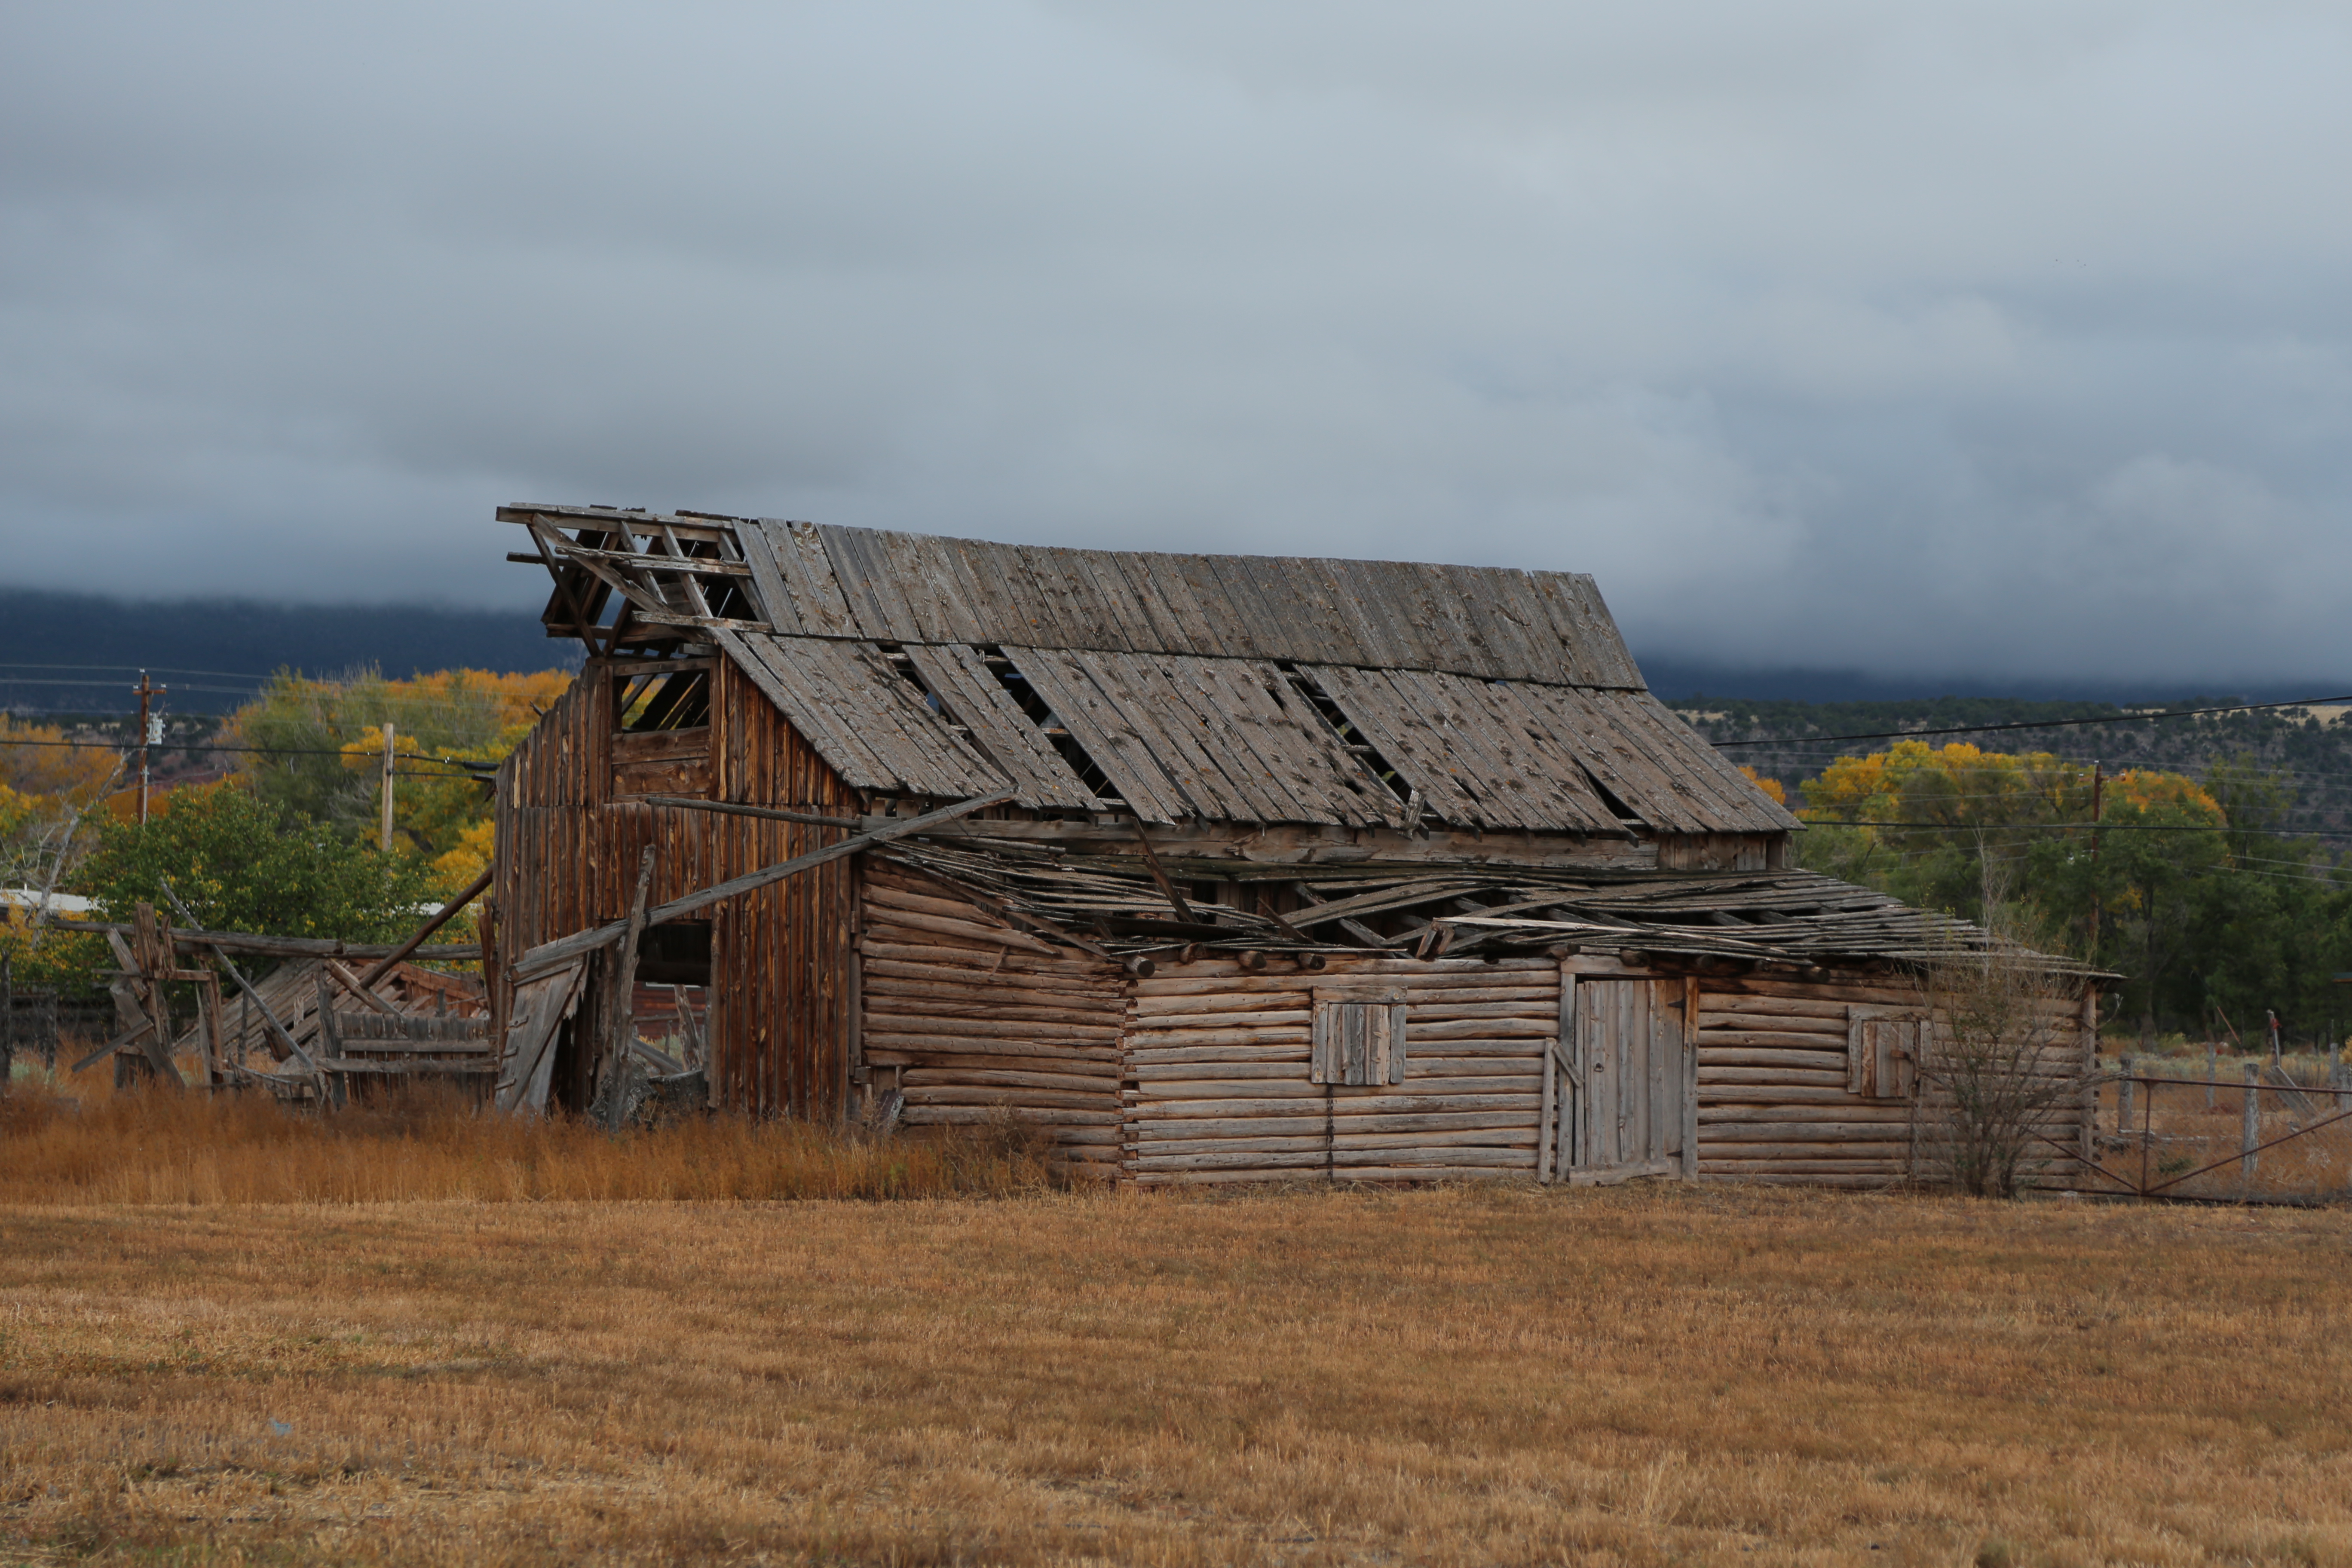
column 550, row 956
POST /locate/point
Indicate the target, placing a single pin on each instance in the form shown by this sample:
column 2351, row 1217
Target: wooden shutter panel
column 1882, row 1052
column 1358, row 1041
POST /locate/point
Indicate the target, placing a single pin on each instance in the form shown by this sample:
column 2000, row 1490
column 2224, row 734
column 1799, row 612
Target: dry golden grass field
column 1497, row 1375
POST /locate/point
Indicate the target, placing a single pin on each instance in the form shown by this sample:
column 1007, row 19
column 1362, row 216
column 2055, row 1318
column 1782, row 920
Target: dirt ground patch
column 1458, row 1376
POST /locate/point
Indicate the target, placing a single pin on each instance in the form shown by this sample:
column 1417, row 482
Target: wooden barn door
column 1630, row 1105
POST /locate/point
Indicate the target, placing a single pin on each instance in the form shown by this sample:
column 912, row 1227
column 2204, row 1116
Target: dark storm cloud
column 2001, row 338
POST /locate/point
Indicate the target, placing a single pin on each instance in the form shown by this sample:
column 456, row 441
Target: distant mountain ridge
column 80, row 653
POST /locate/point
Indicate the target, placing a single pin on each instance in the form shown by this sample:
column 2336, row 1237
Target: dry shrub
column 157, row 1146
column 1997, row 1075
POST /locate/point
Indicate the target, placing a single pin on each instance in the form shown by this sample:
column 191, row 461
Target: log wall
column 568, row 846
column 1217, row 1082
column 973, row 1019
column 1773, row 1098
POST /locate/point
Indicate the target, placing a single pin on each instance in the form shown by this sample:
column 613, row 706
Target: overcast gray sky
column 2009, row 338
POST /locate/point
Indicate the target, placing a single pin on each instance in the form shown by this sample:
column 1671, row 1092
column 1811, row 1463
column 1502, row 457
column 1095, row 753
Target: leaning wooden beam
column 768, row 813
column 264, row 946
column 284, row 1038
column 416, row 939
column 549, row 956
column 358, row 987
column 624, row 997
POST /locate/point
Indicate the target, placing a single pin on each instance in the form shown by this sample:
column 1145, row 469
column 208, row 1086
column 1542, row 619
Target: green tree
column 241, row 864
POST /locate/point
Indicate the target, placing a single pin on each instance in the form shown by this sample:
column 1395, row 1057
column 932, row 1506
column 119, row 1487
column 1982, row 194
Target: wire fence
column 2224, row 1129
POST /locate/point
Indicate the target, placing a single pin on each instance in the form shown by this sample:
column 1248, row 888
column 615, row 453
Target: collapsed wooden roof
column 1178, row 687
column 1115, row 905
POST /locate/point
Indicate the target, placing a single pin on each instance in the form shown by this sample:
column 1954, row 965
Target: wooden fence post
column 2124, row 1087
column 2250, row 1122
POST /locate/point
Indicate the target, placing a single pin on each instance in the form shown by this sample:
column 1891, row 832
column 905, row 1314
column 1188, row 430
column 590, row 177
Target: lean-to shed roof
column 1207, row 688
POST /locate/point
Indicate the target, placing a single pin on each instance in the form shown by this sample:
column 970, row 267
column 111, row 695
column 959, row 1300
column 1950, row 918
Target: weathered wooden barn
column 1284, row 868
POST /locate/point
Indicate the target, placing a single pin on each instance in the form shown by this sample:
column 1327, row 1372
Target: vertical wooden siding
column 567, row 859
column 1219, row 1084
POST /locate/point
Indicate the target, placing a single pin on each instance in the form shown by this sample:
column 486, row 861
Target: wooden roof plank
column 1187, row 736
column 837, row 741
column 768, row 584
column 1389, row 721
column 1000, row 729
column 1550, row 769
column 862, row 563
column 807, row 569
column 1683, row 754
column 1094, row 720
column 1294, row 740
column 1609, row 754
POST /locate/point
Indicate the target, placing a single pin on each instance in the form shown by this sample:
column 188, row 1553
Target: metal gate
column 1625, row 1101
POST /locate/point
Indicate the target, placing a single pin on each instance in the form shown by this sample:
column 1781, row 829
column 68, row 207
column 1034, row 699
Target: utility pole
column 387, row 786
column 2098, row 799
column 149, row 734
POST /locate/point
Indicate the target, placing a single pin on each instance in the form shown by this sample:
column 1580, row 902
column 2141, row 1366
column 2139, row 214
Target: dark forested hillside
column 79, row 653
column 2308, row 748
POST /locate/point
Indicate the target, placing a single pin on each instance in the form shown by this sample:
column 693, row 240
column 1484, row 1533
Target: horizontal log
column 1149, row 1131
column 890, row 893
column 1275, row 1089
column 1711, row 1133
column 1772, row 1038
column 1343, row 1159
column 1293, row 1068
column 1877, row 991
column 981, row 1026
column 1100, row 982
column 1148, row 1039
column 1859, row 1110
column 1545, row 1009
column 1417, row 1029
column 1282, row 1017
column 1761, row 1094
column 892, row 925
column 1018, row 1099
column 1781, row 1179
column 1785, row 1023
column 1396, row 1102
column 1001, row 990
column 1750, row 1057
column 1208, row 1178
column 1712, row 1002
column 1178, row 1056
column 977, row 959
column 1220, row 1004
column 1492, row 1138
column 1817, row 1149
column 1710, row 1076
column 983, row 1045
column 1090, row 1064
column 1007, row 1078
column 982, row 1115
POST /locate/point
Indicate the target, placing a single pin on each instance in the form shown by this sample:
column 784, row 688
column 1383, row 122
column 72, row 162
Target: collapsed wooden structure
column 1219, row 867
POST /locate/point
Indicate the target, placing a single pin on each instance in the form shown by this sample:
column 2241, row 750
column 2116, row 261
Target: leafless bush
column 1999, row 1066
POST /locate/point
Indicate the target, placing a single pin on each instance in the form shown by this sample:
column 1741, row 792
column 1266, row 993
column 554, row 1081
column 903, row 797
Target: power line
column 2050, row 723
